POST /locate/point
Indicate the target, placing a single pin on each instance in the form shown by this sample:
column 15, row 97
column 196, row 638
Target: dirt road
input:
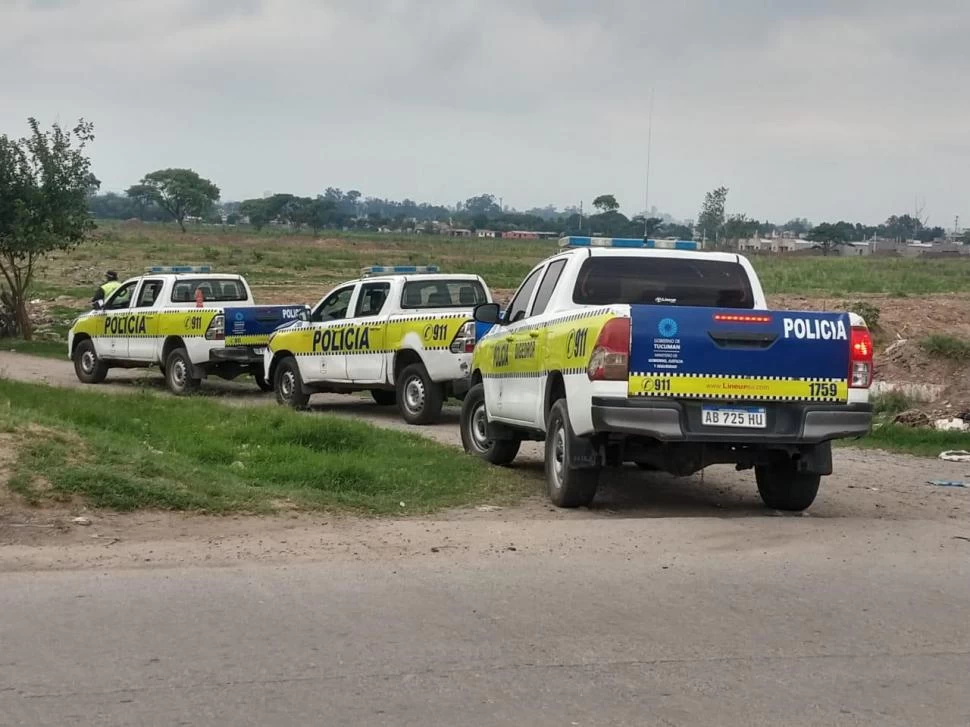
column 866, row 486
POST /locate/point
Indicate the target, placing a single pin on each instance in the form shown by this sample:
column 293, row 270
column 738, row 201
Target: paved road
column 737, row 627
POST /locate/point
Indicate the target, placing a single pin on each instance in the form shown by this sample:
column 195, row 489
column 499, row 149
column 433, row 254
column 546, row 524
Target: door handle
column 533, row 334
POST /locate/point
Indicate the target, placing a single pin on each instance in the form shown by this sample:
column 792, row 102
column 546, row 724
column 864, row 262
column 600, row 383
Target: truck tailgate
column 739, row 355
column 252, row 325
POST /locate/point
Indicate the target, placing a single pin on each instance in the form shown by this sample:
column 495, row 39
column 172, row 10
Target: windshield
column 663, row 281
column 213, row 289
column 443, row 293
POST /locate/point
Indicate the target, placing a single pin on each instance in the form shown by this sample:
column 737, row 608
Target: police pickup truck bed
column 619, row 351
column 403, row 333
column 189, row 322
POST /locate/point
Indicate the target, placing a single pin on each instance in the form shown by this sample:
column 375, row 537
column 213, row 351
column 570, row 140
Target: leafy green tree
column 256, row 210
column 651, row 226
column 797, row 226
column 679, row 232
column 45, row 182
column 711, row 219
column 606, row 203
column 180, row 192
column 827, row 236
column 739, row 227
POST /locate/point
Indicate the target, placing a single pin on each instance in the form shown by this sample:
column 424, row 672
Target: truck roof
column 728, row 257
column 419, row 276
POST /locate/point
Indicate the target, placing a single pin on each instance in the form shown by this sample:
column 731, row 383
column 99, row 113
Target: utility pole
column 580, row 215
column 646, row 194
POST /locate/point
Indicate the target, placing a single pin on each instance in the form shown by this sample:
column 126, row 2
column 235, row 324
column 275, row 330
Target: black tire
column 178, row 373
column 89, row 368
column 288, row 385
column 783, row 487
column 565, row 486
column 418, row 397
column 262, row 383
column 473, row 437
column 383, row 397
column 647, row 467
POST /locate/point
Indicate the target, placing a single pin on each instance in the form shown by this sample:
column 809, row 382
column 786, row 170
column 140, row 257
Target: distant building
column 460, row 232
column 486, row 233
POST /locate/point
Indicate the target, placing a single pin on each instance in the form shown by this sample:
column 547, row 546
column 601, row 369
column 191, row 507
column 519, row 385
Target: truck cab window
column 334, row 307
column 122, row 297
column 520, row 303
column 371, row 299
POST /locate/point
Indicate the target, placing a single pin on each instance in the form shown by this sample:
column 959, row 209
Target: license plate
column 259, row 351
column 752, row 417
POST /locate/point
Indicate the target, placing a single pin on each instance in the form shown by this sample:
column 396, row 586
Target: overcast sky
column 825, row 109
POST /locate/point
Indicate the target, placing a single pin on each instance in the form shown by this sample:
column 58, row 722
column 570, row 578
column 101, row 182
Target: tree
column 827, row 237
column 797, row 226
column 679, row 232
column 45, row 182
column 257, row 212
column 711, row 219
column 739, row 227
column 180, row 192
column 650, row 227
column 606, row 203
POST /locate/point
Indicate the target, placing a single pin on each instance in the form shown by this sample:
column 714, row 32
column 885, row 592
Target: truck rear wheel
column 178, row 373
column 474, row 431
column 89, row 368
column 289, row 385
column 783, row 487
column 418, row 397
column 567, row 487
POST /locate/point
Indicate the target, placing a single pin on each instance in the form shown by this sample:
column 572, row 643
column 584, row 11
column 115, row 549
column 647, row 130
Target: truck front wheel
column 567, row 487
column 783, row 487
column 289, row 385
column 474, row 431
column 89, row 368
column 418, row 397
column 262, row 383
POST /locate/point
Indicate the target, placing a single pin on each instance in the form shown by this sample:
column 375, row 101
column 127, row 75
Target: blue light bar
column 179, row 269
column 397, row 270
column 629, row 242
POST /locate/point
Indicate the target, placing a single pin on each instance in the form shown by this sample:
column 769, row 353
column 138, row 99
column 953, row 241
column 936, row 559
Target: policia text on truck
column 655, row 353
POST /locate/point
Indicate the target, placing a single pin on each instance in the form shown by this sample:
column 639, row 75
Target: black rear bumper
column 680, row 421
column 236, row 354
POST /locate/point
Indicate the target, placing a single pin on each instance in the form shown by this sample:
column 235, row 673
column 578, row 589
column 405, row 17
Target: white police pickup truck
column 655, row 353
column 404, row 333
column 187, row 320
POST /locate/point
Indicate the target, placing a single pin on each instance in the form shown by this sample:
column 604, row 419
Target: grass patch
column 47, row 349
column 948, row 347
column 891, row 403
column 144, row 451
column 910, row 440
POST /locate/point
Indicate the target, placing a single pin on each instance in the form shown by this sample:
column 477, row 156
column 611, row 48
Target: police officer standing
column 109, row 286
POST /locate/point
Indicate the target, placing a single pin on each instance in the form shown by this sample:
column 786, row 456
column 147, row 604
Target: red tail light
column 610, row 359
column 860, row 359
column 464, row 341
column 217, row 329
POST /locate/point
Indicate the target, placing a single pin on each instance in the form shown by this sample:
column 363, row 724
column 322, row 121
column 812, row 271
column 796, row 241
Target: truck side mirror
column 98, row 304
column 487, row 313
